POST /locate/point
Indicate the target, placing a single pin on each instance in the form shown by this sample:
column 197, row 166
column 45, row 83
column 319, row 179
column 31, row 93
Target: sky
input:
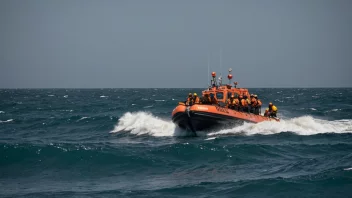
column 167, row 44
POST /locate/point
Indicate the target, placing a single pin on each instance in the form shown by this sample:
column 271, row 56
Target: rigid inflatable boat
column 204, row 116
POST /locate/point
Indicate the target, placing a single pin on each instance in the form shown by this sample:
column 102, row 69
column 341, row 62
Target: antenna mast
column 220, row 78
column 208, row 68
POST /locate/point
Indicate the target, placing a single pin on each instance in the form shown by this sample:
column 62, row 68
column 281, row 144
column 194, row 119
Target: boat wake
column 142, row 123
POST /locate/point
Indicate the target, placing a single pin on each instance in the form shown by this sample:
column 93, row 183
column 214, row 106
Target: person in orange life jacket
column 253, row 104
column 229, row 102
column 189, row 100
column 240, row 107
column 245, row 103
column 272, row 110
column 196, row 99
column 232, row 102
column 236, row 103
column 213, row 100
column 258, row 106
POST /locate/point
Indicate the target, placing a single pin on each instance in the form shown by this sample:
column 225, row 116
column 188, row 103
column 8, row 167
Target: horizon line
column 177, row 88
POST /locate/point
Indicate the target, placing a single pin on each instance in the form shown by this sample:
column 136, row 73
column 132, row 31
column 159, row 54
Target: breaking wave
column 5, row 121
column 304, row 125
column 142, row 123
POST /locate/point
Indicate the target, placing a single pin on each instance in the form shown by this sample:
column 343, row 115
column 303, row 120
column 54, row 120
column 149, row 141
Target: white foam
column 140, row 123
column 10, row 120
column 305, row 125
column 347, row 169
column 2, row 111
column 65, row 96
column 159, row 100
column 104, row 96
column 82, row 118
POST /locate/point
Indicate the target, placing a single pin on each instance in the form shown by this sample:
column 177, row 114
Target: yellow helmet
column 255, row 96
column 195, row 94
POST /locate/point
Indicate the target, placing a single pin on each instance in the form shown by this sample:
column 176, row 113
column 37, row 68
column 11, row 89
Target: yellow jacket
column 274, row 108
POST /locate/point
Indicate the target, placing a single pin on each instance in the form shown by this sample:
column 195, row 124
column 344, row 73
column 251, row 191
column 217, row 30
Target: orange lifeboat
column 198, row 117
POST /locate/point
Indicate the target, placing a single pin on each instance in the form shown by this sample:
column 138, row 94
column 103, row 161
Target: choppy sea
column 122, row 143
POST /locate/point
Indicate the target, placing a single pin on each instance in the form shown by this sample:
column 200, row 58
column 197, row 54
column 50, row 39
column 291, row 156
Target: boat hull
column 201, row 117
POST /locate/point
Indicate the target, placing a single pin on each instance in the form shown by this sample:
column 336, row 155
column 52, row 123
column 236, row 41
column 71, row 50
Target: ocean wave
column 141, row 123
column 145, row 123
column 305, row 125
column 5, row 121
column 82, row 118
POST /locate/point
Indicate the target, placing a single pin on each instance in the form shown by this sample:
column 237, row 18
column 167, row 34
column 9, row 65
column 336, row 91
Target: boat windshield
column 219, row 95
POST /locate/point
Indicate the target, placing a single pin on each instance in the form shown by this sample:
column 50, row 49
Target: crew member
column 205, row 99
column 236, row 103
column 258, row 106
column 189, row 100
column 213, row 100
column 229, row 102
column 244, row 104
column 266, row 114
column 253, row 104
column 248, row 101
column 240, row 106
column 272, row 110
column 195, row 99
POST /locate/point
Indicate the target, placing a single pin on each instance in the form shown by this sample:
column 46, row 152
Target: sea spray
column 146, row 123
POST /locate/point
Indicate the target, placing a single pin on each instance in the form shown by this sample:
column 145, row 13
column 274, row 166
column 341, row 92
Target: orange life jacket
column 196, row 100
column 244, row 103
column 236, row 102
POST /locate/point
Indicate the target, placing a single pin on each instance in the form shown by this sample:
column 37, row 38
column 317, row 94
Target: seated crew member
column 272, row 110
column 253, row 103
column 189, row 100
column 196, row 99
column 258, row 106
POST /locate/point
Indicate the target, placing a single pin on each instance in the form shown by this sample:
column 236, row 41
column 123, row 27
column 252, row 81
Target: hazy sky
column 147, row 43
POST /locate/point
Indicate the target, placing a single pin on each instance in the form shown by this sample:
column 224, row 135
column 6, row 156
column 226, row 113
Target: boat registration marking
column 221, row 109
